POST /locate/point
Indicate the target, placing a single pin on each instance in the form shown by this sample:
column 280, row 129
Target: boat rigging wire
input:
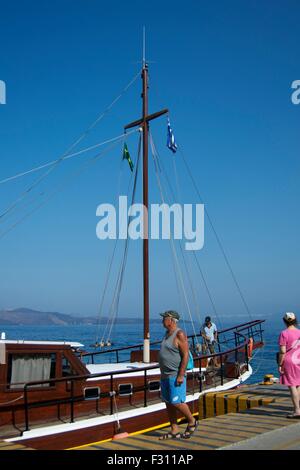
column 37, row 196
column 178, row 285
column 112, row 393
column 165, row 174
column 11, row 401
column 217, row 237
column 207, row 289
column 118, row 287
column 185, row 260
column 107, row 277
column 159, row 166
column 195, row 257
column 60, row 187
column 197, row 262
column 154, row 154
column 260, row 360
column 122, row 271
column 61, row 158
column 71, row 155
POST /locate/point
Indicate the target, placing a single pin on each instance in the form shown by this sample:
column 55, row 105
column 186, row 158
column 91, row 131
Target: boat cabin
column 24, row 361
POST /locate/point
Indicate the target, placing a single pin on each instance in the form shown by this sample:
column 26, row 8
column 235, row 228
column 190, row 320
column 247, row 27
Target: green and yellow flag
column 126, row 156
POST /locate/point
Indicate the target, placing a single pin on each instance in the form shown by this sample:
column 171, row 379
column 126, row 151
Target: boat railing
column 240, row 353
column 253, row 329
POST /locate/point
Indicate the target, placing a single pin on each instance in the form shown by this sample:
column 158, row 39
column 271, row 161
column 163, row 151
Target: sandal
column 293, row 416
column 169, row 435
column 190, row 430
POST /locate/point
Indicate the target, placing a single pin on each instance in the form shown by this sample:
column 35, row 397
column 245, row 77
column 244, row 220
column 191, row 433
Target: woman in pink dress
column 289, row 360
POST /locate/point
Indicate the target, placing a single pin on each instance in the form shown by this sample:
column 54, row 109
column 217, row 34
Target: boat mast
column 144, row 124
column 146, row 351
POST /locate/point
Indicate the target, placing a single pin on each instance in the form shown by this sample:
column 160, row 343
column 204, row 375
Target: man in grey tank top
column 173, row 359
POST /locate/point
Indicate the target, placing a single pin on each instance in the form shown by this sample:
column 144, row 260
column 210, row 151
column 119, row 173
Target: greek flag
column 171, row 144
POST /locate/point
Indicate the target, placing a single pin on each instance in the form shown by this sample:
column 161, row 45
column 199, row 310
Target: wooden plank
column 189, row 444
column 12, row 446
column 268, row 407
column 4, row 444
column 237, row 426
column 254, row 417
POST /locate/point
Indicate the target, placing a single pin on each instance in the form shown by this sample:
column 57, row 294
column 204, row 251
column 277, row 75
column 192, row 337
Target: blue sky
column 224, row 70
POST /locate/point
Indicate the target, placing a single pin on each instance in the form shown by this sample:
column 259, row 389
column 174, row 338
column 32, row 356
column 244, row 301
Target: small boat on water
column 56, row 395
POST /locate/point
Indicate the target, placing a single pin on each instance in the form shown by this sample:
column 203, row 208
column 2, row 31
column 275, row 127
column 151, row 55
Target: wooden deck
column 260, row 414
column 11, row 446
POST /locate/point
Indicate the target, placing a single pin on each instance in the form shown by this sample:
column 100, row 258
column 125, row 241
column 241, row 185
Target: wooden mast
column 146, row 350
column 144, row 123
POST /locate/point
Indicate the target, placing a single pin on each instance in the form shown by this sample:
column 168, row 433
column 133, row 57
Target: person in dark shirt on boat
column 173, row 359
column 209, row 334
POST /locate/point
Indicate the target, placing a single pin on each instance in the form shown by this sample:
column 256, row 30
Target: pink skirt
column 291, row 369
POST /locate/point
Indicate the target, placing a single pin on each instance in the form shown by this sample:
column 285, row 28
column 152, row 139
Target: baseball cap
column 289, row 316
column 171, row 314
column 207, row 319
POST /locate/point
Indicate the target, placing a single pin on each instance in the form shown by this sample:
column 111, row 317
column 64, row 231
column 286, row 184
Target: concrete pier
column 249, row 417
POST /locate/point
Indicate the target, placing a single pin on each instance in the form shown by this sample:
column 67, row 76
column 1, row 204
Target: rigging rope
column 217, row 238
column 71, row 155
column 179, row 292
column 99, row 317
column 207, row 290
column 110, row 266
column 11, row 401
column 116, row 298
column 179, row 198
column 32, row 200
column 60, row 159
column 127, row 244
column 260, row 360
column 59, row 188
column 198, row 265
column 154, row 154
column 158, row 169
column 165, row 174
column 107, row 277
column 184, row 258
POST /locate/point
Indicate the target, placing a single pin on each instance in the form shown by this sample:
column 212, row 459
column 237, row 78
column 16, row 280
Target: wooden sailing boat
column 74, row 403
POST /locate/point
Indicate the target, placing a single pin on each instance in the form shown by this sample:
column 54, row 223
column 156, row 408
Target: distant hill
column 27, row 316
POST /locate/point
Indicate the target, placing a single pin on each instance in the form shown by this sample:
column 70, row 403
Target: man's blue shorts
column 171, row 392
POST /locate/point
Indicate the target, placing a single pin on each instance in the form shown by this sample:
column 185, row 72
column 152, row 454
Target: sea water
column 128, row 334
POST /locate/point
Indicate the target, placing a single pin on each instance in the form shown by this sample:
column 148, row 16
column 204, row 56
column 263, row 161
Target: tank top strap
column 172, row 336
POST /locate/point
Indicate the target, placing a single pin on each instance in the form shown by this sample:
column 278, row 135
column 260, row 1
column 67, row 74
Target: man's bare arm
column 183, row 346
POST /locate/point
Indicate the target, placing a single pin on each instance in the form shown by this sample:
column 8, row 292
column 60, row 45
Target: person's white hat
column 289, row 316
